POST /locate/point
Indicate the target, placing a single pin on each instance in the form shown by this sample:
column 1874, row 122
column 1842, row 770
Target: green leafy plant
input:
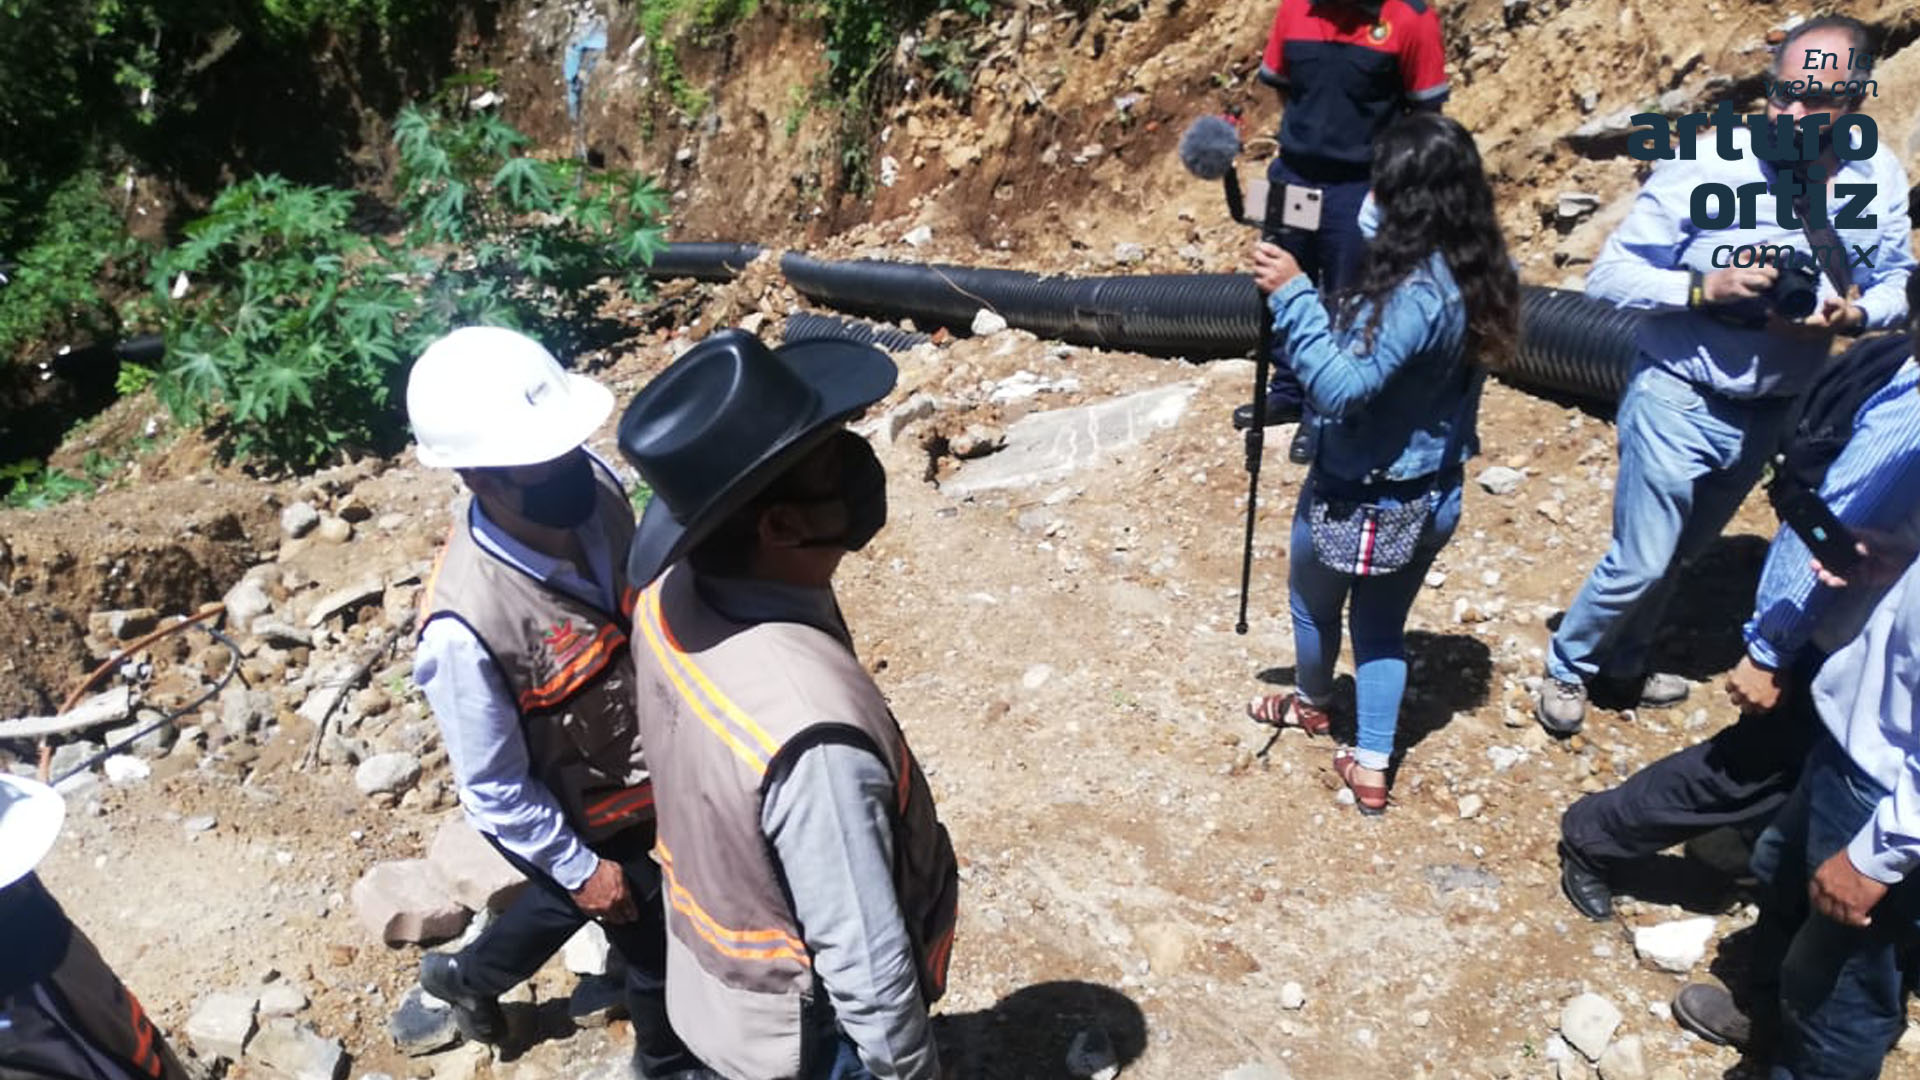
column 295, row 333
column 133, row 378
column 36, row 487
column 55, row 291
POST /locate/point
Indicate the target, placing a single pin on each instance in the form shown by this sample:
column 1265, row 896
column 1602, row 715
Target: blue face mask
column 1369, row 217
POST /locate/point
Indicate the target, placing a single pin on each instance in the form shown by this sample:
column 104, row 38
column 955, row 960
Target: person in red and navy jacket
column 1344, row 69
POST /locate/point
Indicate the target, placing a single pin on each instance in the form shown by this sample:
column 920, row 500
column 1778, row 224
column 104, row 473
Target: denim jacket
column 1389, row 413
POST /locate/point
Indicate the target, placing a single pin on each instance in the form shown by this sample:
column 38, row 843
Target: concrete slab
column 1043, row 447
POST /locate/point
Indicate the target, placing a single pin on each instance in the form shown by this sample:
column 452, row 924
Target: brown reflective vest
column 47, row 954
column 565, row 662
column 723, row 703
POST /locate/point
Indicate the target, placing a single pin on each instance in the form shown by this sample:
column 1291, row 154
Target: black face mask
column 862, row 489
column 564, row 499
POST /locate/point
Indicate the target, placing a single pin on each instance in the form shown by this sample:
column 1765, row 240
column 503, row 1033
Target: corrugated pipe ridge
column 803, row 325
column 1569, row 342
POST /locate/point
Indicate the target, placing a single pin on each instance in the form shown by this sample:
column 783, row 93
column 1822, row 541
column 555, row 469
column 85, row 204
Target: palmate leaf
column 527, row 184
column 197, row 372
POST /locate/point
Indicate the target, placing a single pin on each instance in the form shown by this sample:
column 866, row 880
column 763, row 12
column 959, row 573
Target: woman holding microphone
column 1395, row 373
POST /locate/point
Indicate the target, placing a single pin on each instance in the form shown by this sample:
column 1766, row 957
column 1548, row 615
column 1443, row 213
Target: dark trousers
column 1738, row 778
column 544, row 916
column 1841, row 990
column 1330, row 257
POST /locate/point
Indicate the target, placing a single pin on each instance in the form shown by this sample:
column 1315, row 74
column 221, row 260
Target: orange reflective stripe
column 763, row 945
column 620, row 805
column 906, row 764
column 570, row 678
column 713, row 693
column 144, row 1056
column 654, row 628
column 628, row 600
column 938, row 959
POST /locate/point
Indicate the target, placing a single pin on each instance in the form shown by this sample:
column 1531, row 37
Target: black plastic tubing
column 1569, row 342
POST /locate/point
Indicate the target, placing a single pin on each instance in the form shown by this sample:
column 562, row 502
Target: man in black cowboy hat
column 811, row 889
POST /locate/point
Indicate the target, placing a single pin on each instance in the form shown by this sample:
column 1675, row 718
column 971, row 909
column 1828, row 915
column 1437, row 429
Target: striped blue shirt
column 1874, row 484
column 1646, row 263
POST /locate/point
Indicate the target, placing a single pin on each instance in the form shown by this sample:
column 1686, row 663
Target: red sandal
column 1370, row 798
column 1290, row 710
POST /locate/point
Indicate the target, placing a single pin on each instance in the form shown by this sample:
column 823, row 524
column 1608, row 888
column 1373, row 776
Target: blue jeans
column 1687, row 459
column 1330, row 257
column 845, row 1064
column 1318, row 597
column 1841, row 989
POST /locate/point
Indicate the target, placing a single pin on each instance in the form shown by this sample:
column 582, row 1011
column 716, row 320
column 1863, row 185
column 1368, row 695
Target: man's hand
column 1752, row 688
column 1844, row 894
column 604, row 895
column 1839, row 313
column 1273, row 267
column 1736, row 283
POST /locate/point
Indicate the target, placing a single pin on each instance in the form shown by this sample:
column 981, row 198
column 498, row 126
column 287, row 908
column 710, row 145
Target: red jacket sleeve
column 1423, row 59
column 1273, row 63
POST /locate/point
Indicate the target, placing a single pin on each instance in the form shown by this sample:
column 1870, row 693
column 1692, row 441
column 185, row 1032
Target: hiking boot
column 1663, row 689
column 1710, row 1012
column 1561, row 707
column 478, row 1018
column 1585, row 885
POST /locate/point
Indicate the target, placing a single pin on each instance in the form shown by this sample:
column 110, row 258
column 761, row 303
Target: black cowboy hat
column 727, row 418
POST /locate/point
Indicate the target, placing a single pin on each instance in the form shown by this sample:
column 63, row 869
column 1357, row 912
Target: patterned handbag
column 1367, row 539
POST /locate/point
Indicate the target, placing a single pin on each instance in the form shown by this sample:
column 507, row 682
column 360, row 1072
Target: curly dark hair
column 1433, row 195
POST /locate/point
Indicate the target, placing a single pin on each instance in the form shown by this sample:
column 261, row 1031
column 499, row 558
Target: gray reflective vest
column 722, row 704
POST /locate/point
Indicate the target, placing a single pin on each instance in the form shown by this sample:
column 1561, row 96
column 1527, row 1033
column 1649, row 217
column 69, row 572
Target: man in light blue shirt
column 1719, row 371
column 1839, row 918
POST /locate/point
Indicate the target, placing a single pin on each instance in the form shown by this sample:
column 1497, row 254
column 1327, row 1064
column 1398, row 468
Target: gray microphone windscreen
column 1209, row 147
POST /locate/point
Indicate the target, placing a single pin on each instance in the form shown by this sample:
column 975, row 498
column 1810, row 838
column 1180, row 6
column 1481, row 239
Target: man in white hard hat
column 63, row 1013
column 523, row 656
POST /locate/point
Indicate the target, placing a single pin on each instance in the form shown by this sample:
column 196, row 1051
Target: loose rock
column 422, row 1025
column 298, row 519
column 401, row 903
column 387, row 774
column 294, row 1049
column 334, row 530
column 1624, row 1060
column 1674, row 946
column 1500, row 480
column 282, row 999
column 221, row 1025
column 1293, row 996
column 470, row 870
column 987, row 322
column 1588, row 1023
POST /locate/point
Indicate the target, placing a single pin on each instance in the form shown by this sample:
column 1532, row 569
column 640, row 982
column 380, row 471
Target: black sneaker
column 1711, row 1013
column 1585, row 885
column 1277, row 413
column 478, row 1018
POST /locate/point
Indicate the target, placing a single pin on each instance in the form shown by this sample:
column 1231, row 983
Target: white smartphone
column 1302, row 208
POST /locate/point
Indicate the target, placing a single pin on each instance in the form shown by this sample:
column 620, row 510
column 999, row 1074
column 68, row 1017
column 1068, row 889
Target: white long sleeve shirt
column 1868, row 695
column 480, row 720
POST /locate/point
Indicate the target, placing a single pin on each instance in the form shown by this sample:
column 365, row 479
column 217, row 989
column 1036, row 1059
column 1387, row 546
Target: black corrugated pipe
column 802, row 325
column 1573, row 343
column 1569, row 342
column 702, row 261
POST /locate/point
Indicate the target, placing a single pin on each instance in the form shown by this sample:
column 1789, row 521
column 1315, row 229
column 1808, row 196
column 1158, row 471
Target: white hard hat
column 485, row 396
column 30, row 817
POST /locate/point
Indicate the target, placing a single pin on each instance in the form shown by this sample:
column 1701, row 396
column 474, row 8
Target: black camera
column 1796, row 292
